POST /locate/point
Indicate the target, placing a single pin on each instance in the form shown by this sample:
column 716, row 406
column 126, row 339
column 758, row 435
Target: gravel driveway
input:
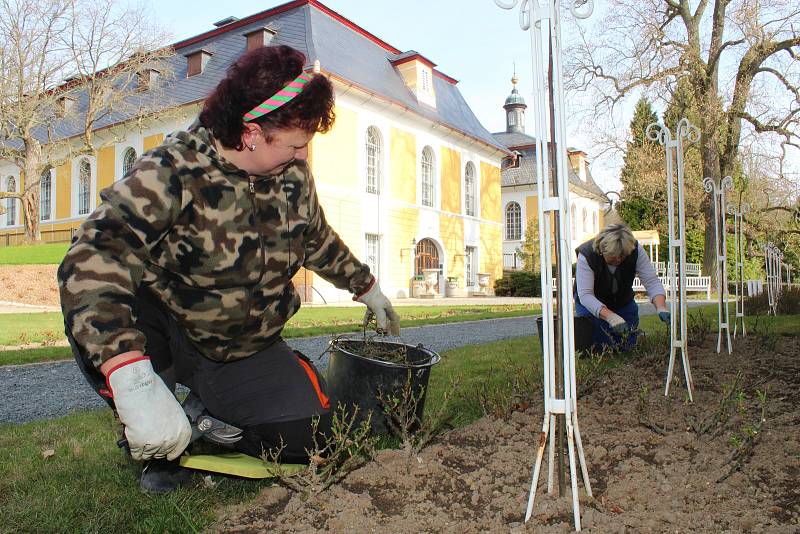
column 48, row 390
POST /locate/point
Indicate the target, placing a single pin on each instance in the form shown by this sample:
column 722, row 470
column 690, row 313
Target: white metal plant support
column 721, row 251
column 774, row 259
column 542, row 18
column 739, row 283
column 676, row 270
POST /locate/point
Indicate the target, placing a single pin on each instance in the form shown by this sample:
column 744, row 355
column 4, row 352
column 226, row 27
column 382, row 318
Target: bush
column 518, row 284
column 788, row 303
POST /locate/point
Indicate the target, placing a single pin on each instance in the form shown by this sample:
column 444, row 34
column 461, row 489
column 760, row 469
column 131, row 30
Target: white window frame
column 46, row 214
column 585, row 220
column 84, row 191
column 513, row 227
column 573, row 216
column 11, row 203
column 125, row 157
column 428, row 177
column 470, row 256
column 469, row 189
column 372, row 253
column 373, row 162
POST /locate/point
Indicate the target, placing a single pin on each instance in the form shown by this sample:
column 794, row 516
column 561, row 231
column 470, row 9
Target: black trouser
column 272, row 395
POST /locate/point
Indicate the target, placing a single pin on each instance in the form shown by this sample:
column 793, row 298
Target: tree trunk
column 32, row 175
column 30, row 214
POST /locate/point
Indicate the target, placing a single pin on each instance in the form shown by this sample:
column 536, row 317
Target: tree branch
column 713, row 58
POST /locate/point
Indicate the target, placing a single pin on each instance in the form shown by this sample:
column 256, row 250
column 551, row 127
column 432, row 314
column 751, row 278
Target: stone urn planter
column 483, row 284
column 417, row 286
column 431, row 281
column 451, row 289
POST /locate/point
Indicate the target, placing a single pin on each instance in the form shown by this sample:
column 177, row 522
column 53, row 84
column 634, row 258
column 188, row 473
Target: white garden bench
column 693, row 283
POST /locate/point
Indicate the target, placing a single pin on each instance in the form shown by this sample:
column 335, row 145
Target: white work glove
column 617, row 324
column 155, row 424
column 386, row 318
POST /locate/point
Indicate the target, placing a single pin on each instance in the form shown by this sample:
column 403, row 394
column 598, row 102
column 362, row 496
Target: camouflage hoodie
column 216, row 246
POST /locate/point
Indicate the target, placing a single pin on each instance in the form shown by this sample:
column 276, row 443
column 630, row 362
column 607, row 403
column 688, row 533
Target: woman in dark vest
column 604, row 277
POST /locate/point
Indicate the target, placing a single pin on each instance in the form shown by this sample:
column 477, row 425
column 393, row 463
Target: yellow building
column 408, row 176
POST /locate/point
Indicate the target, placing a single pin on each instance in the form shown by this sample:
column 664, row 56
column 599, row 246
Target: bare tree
column 740, row 58
column 68, row 66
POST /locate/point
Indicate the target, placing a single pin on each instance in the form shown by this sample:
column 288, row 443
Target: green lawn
column 90, row 487
column 46, row 253
column 22, row 328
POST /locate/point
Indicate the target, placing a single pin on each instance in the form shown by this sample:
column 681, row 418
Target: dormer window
column 417, row 73
column 259, row 37
column 146, row 79
column 425, row 77
column 64, row 105
column 196, row 62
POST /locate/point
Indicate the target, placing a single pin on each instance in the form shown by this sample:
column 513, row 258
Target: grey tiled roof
column 525, row 174
column 342, row 50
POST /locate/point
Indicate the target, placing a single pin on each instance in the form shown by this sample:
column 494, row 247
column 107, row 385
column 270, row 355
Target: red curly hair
column 253, row 78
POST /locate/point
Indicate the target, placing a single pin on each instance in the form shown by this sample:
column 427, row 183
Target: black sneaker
column 163, row 476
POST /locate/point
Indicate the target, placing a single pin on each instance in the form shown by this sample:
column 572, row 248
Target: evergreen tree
column 641, row 203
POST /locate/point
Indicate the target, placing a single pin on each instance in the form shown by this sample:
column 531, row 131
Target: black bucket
column 357, row 380
column 583, row 329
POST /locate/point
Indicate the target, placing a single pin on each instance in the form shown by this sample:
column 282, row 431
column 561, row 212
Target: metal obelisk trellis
column 772, row 263
column 738, row 217
column 542, row 18
column 721, row 251
column 676, row 270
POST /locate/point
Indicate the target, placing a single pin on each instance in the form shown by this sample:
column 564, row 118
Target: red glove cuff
column 107, row 392
column 371, row 283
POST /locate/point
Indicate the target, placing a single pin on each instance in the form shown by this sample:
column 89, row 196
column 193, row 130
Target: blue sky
column 473, row 41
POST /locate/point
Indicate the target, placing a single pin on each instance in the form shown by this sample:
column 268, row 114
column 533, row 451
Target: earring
column 252, row 148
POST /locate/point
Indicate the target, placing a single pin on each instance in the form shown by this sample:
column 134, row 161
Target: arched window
column 11, row 203
column 572, row 218
column 128, row 159
column 595, row 229
column 84, row 186
column 428, row 172
column 45, row 195
column 469, row 189
column 585, row 221
column 513, row 222
column 374, row 160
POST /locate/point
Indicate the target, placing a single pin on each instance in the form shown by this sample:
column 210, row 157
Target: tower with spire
column 519, row 189
column 515, row 109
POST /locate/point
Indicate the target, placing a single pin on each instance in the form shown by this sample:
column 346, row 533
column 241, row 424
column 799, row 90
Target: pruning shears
column 203, row 425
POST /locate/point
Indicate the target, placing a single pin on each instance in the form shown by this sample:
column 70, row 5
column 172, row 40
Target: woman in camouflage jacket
column 183, row 273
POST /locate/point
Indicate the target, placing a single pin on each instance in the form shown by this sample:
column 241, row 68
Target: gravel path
column 48, row 390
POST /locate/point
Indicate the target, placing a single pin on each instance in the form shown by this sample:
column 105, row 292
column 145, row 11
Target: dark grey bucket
column 583, row 328
column 356, row 380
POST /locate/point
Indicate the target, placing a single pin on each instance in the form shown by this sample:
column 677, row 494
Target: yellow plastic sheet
column 237, row 464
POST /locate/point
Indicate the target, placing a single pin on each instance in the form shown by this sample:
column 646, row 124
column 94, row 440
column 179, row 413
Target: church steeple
column 515, row 109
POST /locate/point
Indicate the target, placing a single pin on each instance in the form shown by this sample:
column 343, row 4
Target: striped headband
column 285, row 95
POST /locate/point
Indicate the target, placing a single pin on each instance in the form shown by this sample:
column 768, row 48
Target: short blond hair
column 615, row 240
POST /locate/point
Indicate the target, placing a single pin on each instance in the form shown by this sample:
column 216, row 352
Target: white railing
column 693, row 283
column 692, row 269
